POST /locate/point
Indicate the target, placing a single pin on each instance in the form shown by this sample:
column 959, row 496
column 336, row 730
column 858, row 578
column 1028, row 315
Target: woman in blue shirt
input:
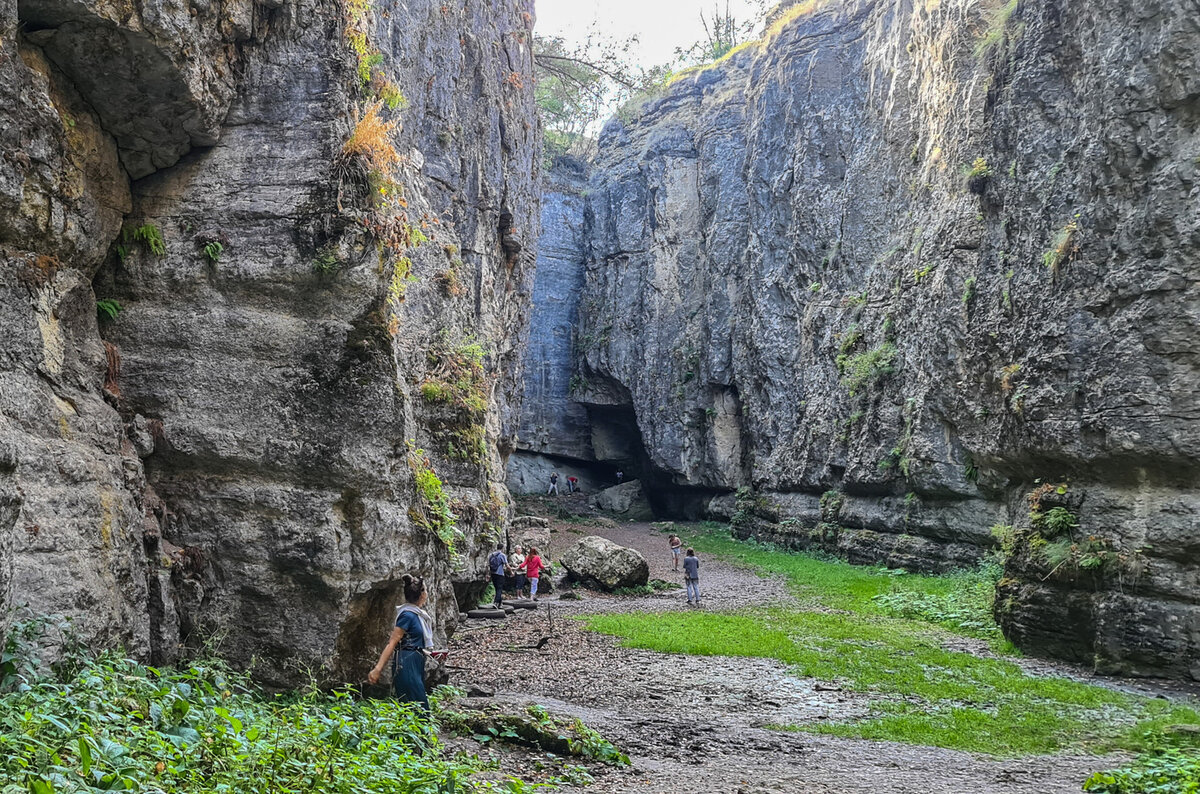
column 413, row 633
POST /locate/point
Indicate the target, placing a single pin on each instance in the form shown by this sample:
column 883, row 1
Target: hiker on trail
column 553, row 484
column 517, row 563
column 572, row 484
column 498, row 567
column 676, row 547
column 691, row 576
column 620, row 476
column 411, row 636
column 533, row 569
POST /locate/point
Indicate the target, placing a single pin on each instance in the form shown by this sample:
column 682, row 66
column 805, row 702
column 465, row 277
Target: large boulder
column 628, row 499
column 526, row 531
column 598, row 561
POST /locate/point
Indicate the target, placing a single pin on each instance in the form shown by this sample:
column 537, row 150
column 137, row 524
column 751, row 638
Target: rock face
column 600, row 562
column 898, row 267
column 322, row 265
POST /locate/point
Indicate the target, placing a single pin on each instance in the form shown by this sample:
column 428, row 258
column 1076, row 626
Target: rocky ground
column 698, row 723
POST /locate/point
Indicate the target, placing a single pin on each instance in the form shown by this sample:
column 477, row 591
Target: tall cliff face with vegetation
column 916, row 282
column 266, row 270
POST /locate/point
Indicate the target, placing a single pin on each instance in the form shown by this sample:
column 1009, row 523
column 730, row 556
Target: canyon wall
column 916, row 283
column 309, row 226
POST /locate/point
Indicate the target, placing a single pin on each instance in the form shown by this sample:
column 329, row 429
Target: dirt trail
column 696, row 724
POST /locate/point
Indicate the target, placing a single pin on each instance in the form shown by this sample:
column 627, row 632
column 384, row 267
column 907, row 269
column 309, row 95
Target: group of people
column 572, row 484
column 526, row 568
column 411, row 640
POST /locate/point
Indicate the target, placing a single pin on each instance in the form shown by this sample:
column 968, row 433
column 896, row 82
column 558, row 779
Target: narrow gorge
column 289, row 306
column 912, row 283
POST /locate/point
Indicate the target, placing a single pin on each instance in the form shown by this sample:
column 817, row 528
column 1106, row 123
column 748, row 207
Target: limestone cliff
column 919, row 279
column 309, row 224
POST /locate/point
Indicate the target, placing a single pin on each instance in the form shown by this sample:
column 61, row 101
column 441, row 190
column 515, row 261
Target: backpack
column 492, row 560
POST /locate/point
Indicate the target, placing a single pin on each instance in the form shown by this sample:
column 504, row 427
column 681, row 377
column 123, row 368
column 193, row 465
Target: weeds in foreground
column 106, row 723
column 1168, row 772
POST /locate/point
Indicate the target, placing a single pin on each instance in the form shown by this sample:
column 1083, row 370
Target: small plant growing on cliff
column 390, row 94
column 450, row 282
column 994, row 34
column 434, row 511
column 371, row 140
column 968, row 290
column 921, row 272
column 870, row 367
column 977, row 176
column 147, row 234
column 326, row 263
column 107, row 309
column 1062, row 248
column 213, row 250
column 814, row 287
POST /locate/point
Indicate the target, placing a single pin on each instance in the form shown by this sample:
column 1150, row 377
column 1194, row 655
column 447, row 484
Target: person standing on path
column 553, row 484
column 413, row 634
column 620, row 477
column 691, row 576
column 676, row 546
column 533, row 569
column 572, row 484
column 497, row 564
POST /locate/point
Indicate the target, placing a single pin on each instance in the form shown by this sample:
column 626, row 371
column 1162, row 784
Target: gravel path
column 693, row 723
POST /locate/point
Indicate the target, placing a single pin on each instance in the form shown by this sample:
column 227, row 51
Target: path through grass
column 877, row 632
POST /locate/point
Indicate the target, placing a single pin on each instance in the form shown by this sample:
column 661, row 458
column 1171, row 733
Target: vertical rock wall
column 239, row 451
column 911, row 276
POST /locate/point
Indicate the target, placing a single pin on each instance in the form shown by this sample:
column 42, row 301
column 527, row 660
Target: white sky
column 660, row 25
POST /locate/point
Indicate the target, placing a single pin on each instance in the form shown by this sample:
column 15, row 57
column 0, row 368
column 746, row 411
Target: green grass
column 920, row 692
column 961, row 601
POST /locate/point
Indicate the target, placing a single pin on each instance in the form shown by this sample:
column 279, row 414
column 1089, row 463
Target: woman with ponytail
column 412, row 635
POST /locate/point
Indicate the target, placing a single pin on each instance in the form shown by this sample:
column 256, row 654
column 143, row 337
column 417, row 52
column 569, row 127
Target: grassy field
column 882, row 633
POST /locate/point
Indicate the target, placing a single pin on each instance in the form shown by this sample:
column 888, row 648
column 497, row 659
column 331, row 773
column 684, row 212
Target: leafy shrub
column 966, row 607
column 1170, row 772
column 1057, row 521
column 110, row 724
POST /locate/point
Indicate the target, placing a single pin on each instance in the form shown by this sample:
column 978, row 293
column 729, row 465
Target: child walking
column 691, row 576
column 533, row 571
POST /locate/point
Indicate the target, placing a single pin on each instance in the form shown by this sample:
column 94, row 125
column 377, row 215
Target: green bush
column 1171, row 772
column 106, row 723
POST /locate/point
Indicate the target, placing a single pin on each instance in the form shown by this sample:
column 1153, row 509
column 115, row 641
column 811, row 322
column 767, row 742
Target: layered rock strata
column 899, row 267
column 316, row 219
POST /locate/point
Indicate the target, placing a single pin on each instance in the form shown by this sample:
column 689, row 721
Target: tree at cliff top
column 579, row 86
